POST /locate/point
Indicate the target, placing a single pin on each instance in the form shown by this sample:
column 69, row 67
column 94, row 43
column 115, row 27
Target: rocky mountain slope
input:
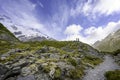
column 21, row 31
column 5, row 34
column 46, row 60
column 6, row 39
column 58, row 61
column 110, row 43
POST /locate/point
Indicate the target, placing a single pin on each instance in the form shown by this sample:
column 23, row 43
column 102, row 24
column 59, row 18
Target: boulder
column 42, row 76
column 3, row 69
column 51, row 73
column 29, row 70
column 11, row 78
column 54, row 56
column 26, row 71
column 29, row 77
column 11, row 73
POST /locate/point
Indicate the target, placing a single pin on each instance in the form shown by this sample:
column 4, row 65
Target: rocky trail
column 98, row 72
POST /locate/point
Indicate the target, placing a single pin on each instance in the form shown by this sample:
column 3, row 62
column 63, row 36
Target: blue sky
column 88, row 20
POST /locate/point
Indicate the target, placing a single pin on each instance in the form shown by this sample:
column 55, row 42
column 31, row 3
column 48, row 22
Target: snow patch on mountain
column 22, row 32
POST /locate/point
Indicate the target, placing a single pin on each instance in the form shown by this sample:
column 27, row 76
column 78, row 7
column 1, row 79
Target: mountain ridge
column 5, row 34
column 22, row 32
column 110, row 43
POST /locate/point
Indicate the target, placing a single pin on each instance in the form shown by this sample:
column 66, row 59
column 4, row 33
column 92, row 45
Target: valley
column 59, row 39
column 52, row 60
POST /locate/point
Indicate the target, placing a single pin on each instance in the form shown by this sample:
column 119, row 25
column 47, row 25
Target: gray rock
column 3, row 69
column 64, row 65
column 4, row 56
column 51, row 73
column 45, row 55
column 55, row 56
column 42, row 76
column 26, row 71
column 20, row 64
column 11, row 78
column 29, row 77
column 11, row 73
column 10, row 52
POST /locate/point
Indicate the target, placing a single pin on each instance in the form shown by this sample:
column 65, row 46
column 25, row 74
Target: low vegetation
column 59, row 60
column 113, row 75
column 92, row 60
column 66, row 52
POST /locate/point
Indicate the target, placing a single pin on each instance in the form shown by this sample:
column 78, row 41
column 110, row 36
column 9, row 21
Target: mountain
column 110, row 43
column 22, row 32
column 5, row 34
column 7, row 39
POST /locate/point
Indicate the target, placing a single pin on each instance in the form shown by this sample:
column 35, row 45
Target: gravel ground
column 98, row 72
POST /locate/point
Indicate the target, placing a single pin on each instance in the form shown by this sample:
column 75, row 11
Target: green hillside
column 110, row 43
column 7, row 39
column 5, row 34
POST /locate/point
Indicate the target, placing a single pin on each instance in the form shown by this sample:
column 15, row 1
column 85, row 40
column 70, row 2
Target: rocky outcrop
column 46, row 63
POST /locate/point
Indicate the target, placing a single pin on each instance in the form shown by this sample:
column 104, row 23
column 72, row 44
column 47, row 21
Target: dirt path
column 98, row 72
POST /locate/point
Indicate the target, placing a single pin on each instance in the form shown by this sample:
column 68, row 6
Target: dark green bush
column 92, row 60
column 72, row 61
column 115, row 53
column 76, row 73
column 113, row 75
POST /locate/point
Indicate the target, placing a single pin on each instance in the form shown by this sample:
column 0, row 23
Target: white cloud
column 23, row 15
column 58, row 20
column 107, row 7
column 87, row 8
column 93, row 34
column 93, row 9
column 24, row 12
column 73, row 37
column 40, row 4
column 96, row 8
column 73, row 29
